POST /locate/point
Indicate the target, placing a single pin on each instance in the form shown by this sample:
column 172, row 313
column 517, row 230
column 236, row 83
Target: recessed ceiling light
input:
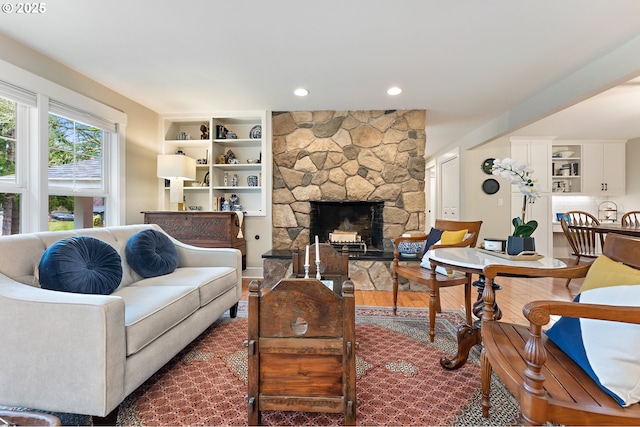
column 301, row 92
column 394, row 91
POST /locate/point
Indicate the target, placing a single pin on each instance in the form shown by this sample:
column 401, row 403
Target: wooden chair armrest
column 538, row 312
column 573, row 271
column 535, row 355
column 462, row 244
column 492, row 271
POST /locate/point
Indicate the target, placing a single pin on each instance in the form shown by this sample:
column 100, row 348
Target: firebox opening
column 359, row 225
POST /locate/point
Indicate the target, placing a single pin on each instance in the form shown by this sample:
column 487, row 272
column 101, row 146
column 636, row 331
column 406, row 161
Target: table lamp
column 176, row 168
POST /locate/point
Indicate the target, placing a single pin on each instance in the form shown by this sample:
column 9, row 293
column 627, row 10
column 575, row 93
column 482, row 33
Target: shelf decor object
column 607, row 212
column 177, row 168
column 255, row 132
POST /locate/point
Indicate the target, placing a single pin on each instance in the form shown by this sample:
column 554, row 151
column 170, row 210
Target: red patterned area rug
column 399, row 379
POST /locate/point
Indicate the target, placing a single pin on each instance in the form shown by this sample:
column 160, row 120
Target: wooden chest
column 204, row 229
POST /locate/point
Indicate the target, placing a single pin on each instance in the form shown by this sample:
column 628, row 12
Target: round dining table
column 475, row 261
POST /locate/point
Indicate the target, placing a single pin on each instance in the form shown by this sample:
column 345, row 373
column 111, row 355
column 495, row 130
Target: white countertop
column 475, row 259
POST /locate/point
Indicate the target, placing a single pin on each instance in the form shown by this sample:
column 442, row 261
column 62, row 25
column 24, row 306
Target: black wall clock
column 490, row 186
column 487, row 166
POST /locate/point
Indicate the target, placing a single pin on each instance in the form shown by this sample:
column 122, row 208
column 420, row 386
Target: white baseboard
column 253, row 273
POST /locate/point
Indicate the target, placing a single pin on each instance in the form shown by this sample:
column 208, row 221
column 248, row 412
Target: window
column 77, row 169
column 8, row 143
column 64, row 152
column 9, row 201
column 75, row 156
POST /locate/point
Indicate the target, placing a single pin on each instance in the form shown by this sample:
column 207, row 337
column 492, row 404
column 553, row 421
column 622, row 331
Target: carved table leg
column 470, row 335
column 478, row 306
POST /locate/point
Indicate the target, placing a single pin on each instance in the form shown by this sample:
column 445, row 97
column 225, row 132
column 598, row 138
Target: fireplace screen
column 359, row 225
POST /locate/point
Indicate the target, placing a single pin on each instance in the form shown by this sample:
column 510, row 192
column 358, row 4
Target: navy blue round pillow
column 151, row 253
column 80, row 264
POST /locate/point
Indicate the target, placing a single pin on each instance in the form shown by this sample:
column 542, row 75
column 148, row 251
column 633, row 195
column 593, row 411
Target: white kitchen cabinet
column 603, row 168
column 536, row 152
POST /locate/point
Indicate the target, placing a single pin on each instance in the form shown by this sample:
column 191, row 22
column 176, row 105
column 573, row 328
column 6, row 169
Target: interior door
column 431, row 186
column 450, row 189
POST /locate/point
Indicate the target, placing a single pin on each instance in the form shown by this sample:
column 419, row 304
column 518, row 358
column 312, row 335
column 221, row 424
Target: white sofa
column 84, row 353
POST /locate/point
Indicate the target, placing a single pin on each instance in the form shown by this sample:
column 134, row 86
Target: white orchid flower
column 518, row 173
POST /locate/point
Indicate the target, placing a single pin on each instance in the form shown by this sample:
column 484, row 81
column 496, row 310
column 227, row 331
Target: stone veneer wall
column 349, row 156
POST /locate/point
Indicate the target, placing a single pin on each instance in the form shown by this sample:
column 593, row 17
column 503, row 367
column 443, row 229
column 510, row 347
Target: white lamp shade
column 172, row 166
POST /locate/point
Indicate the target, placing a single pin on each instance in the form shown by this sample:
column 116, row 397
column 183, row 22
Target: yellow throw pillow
column 452, row 237
column 606, row 272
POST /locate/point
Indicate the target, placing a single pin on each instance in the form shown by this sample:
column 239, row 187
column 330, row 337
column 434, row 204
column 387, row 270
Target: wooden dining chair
column 412, row 271
column 631, row 219
column 585, row 242
column 334, row 265
column 551, row 387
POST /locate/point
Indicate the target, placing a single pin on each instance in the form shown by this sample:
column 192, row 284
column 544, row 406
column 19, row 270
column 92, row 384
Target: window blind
column 17, row 94
column 72, row 113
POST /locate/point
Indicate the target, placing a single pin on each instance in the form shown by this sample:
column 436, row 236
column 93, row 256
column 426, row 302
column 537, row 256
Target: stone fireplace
column 358, row 225
column 329, row 157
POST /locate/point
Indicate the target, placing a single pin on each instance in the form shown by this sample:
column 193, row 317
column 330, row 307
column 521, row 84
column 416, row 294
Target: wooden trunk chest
column 204, row 229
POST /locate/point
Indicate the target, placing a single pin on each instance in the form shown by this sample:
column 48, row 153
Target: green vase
column 516, row 245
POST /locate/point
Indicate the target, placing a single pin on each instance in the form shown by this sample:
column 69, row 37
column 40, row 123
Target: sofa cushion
column 150, row 311
column 151, row 253
column 608, row 351
column 80, row 264
column 210, row 281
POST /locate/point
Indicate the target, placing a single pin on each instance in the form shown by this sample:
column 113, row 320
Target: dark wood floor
column 515, row 293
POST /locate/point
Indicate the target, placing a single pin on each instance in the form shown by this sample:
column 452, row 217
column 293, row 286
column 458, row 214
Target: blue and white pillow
column 608, row 351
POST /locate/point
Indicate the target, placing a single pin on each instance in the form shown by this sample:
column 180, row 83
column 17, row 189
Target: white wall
column 477, row 205
column 631, row 200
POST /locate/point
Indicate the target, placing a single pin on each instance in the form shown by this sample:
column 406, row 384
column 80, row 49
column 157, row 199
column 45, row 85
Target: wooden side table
column 203, row 229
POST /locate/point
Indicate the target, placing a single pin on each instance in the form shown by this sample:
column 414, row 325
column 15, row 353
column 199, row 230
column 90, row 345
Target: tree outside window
column 75, row 155
column 75, row 165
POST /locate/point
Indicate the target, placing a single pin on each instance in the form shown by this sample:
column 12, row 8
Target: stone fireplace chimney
column 348, row 156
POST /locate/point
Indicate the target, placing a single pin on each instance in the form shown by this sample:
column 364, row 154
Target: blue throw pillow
column 80, row 264
column 433, row 237
column 151, row 253
column 608, row 351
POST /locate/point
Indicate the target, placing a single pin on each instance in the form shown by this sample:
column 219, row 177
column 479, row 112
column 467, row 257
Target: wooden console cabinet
column 204, row 229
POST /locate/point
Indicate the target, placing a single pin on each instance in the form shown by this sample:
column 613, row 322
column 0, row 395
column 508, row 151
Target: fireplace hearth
column 356, row 224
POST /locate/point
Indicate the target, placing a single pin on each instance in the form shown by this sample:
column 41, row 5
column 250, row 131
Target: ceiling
column 466, row 62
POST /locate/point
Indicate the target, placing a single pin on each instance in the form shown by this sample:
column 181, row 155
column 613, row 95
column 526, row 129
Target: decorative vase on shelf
column 517, row 244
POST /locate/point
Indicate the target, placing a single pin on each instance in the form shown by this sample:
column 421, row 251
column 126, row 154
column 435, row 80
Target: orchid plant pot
column 517, row 244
